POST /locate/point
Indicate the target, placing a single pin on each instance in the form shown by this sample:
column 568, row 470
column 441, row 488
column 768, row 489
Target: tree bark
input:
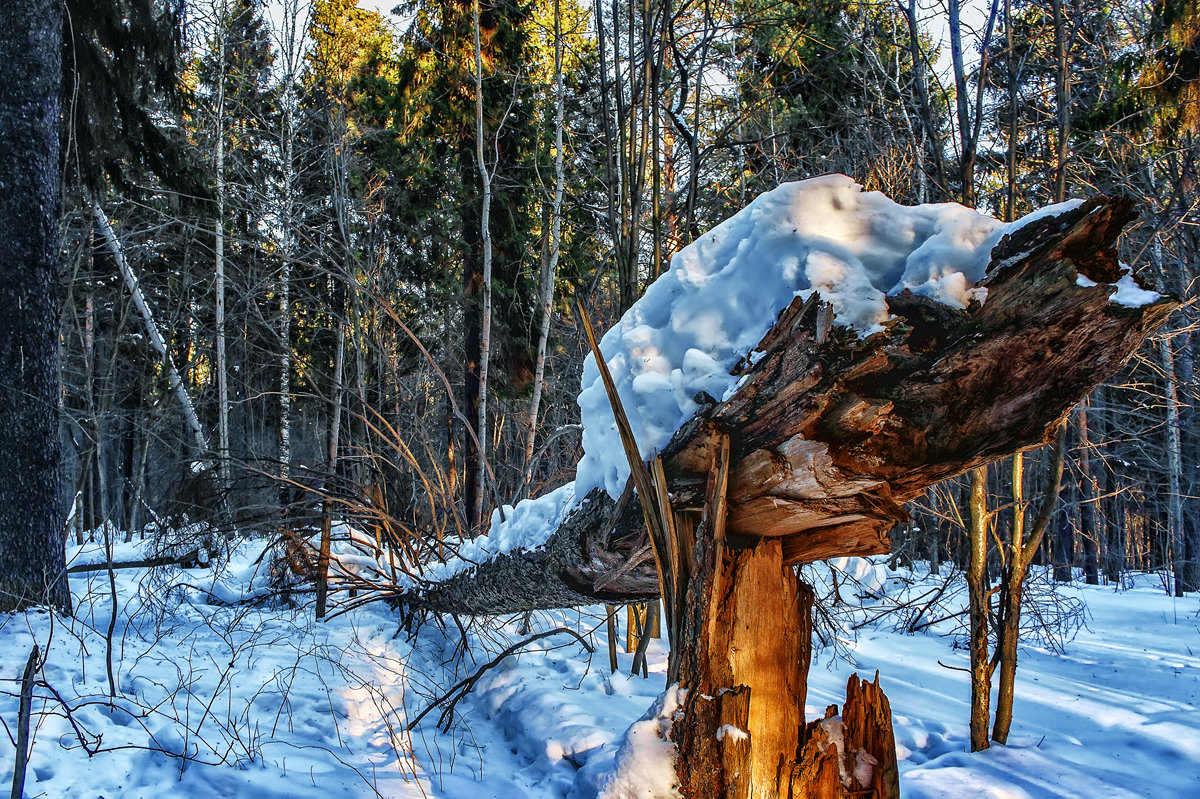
column 1088, row 531
column 1174, row 468
column 1020, row 555
column 32, row 569
column 293, row 21
column 24, row 717
column 553, row 239
column 977, row 591
column 327, row 502
column 485, row 231
column 222, row 364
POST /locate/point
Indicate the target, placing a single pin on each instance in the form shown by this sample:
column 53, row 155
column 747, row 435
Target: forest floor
column 218, row 694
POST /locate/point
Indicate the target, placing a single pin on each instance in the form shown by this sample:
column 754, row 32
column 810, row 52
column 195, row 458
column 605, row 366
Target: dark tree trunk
column 1088, row 536
column 472, row 334
column 1106, row 508
column 1062, row 554
column 32, row 569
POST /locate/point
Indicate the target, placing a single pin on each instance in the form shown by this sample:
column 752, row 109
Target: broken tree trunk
column 825, row 438
column 853, row 754
column 832, row 433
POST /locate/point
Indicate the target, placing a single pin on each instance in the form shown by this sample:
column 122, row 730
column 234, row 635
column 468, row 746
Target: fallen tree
column 831, row 433
column 812, row 456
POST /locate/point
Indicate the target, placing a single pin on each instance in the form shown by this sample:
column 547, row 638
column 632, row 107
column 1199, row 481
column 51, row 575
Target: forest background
column 360, row 240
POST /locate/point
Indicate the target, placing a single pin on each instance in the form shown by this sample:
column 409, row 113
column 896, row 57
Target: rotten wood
column 867, row 727
column 817, row 775
column 851, row 755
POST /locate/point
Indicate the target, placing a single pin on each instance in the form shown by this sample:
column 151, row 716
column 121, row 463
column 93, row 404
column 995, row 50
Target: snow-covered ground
column 266, row 703
column 219, row 689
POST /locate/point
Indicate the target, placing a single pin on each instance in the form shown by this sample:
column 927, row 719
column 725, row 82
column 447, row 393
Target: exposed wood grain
column 746, row 632
column 817, row 774
column 867, row 727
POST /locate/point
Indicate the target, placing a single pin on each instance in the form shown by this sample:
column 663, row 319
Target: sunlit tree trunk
column 977, row 591
column 1021, row 550
column 554, row 244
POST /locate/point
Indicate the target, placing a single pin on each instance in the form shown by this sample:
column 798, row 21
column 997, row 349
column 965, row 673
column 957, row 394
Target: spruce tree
column 32, row 563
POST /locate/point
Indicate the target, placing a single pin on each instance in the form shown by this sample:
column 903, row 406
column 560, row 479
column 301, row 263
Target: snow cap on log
column 724, row 291
column 832, row 427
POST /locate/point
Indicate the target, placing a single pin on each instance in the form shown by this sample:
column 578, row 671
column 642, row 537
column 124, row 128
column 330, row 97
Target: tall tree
column 237, row 122
column 290, row 44
column 437, row 102
column 32, row 567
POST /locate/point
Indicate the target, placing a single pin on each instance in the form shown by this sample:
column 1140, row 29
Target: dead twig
column 26, row 707
column 191, row 556
column 463, row 687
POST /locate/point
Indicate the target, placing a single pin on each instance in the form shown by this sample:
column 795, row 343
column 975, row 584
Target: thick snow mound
column 723, row 292
column 528, row 525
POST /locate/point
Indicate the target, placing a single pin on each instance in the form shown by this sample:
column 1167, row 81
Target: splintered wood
column 747, row 631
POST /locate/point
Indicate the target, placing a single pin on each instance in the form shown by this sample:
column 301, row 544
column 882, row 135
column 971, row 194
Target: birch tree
column 553, row 246
column 290, row 42
column 222, row 373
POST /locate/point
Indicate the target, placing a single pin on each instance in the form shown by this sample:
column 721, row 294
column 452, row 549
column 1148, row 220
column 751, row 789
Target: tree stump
column 747, row 637
column 747, row 649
